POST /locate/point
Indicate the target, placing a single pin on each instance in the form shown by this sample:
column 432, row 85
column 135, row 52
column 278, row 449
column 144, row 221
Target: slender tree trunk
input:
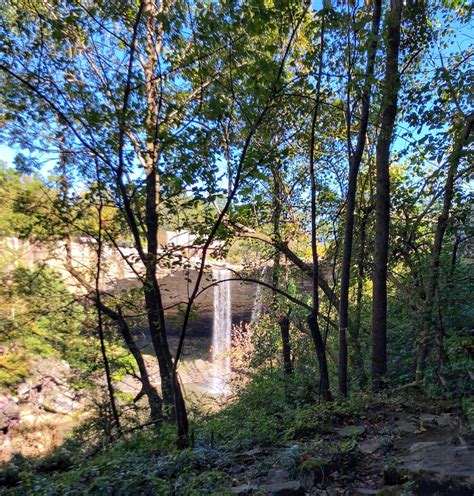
column 64, row 189
column 276, row 219
column 355, row 160
column 426, row 336
column 382, row 207
column 454, row 258
column 312, row 319
column 154, row 400
column 153, row 303
column 149, row 390
column 100, row 327
column 357, row 358
column 284, row 324
column 317, row 338
column 443, row 358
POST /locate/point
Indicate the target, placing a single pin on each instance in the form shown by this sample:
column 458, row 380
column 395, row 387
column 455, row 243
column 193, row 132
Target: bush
column 59, row 460
column 14, row 367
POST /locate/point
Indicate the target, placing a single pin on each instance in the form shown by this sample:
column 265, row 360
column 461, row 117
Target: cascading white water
column 221, row 332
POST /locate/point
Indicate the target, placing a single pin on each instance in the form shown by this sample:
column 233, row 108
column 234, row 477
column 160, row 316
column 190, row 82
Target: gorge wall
column 120, row 271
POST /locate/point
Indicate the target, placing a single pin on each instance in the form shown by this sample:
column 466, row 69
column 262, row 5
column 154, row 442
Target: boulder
column 253, row 452
column 405, row 426
column 445, row 420
column 381, row 443
column 55, row 399
column 276, row 488
column 365, row 491
column 391, row 491
column 385, row 491
column 277, row 475
column 437, row 467
column 9, row 413
column 288, row 488
column 243, row 489
column 49, row 388
column 351, row 430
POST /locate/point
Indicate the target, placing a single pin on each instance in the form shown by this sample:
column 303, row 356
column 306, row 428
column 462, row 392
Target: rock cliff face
column 176, row 288
column 118, row 274
column 35, row 420
column 83, row 256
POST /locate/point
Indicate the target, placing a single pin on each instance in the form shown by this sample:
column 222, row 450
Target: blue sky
column 7, row 154
column 462, row 37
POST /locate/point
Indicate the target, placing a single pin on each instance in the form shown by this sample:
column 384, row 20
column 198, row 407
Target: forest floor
column 382, row 446
column 389, row 449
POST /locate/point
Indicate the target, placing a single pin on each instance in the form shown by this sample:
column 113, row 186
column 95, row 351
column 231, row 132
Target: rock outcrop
column 37, row 418
column 9, row 413
column 437, row 468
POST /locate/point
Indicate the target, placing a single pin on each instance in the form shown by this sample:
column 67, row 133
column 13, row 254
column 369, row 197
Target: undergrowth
column 271, row 410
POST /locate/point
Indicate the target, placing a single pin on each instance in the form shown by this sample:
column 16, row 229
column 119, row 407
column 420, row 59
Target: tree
column 388, row 114
column 454, row 158
column 100, row 105
column 313, row 317
column 355, row 159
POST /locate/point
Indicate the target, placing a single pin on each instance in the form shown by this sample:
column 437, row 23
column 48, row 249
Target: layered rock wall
column 120, row 270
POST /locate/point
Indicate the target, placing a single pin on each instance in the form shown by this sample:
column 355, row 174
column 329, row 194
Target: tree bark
column 355, row 160
column 100, row 326
column 317, row 338
column 355, row 333
column 171, row 388
column 284, row 324
column 276, row 218
column 313, row 317
column 154, row 400
column 149, row 390
column 382, row 207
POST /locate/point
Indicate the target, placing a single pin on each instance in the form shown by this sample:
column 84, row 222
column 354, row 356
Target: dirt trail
column 396, row 449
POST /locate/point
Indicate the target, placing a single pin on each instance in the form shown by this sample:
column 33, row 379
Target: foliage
column 40, row 319
column 221, row 120
column 24, row 203
column 14, row 367
column 147, row 458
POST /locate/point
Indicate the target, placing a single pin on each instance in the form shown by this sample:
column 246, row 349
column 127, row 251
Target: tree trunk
column 382, row 207
column 149, row 390
column 355, row 336
column 284, row 324
column 64, row 189
column 154, row 400
column 171, row 389
column 354, row 165
column 324, row 389
column 313, row 317
column 276, row 218
column 100, row 327
column 426, row 336
column 454, row 258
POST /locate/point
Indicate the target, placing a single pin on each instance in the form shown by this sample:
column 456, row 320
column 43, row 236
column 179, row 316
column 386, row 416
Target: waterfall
column 221, row 332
